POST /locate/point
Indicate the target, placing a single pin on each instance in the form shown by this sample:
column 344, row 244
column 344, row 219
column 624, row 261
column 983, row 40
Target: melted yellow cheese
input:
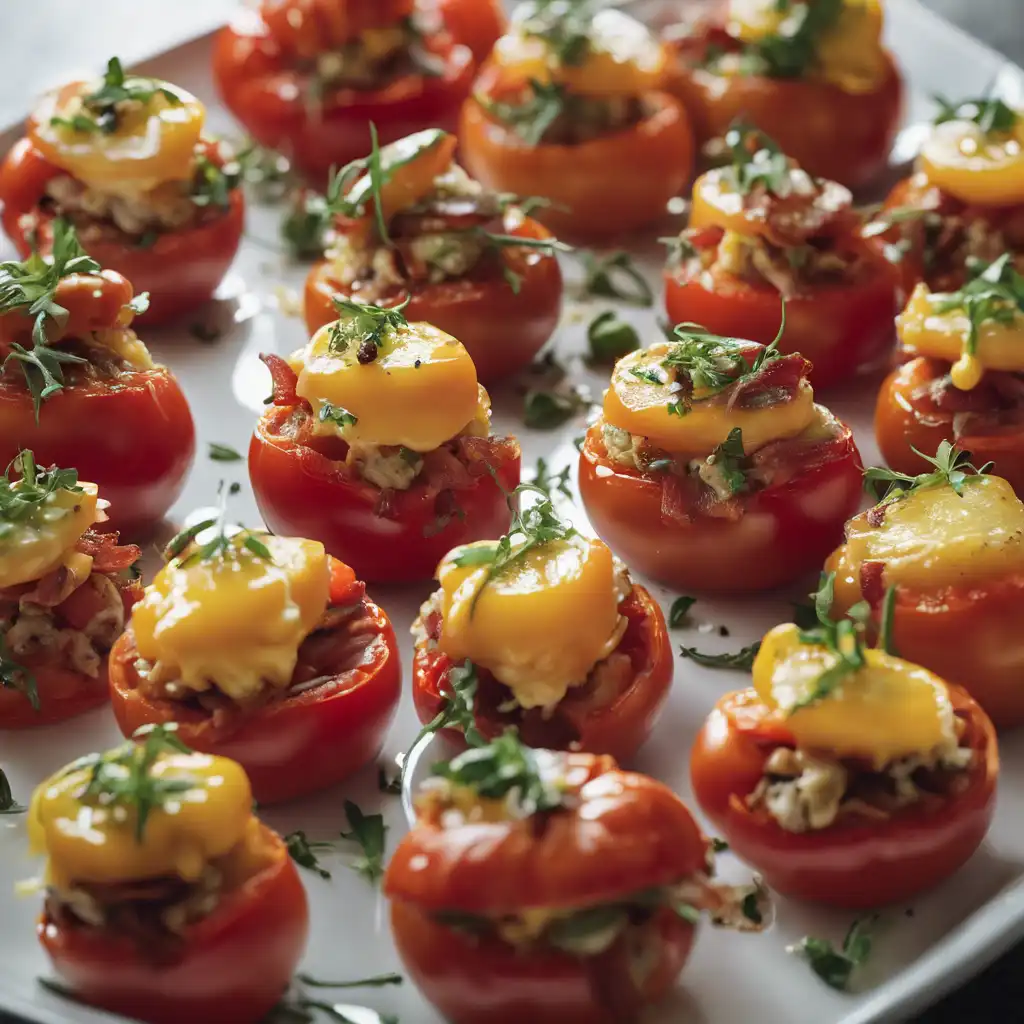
column 975, row 167
column 623, row 57
column 33, row 547
column 885, row 710
column 848, row 55
column 234, row 621
column 944, row 335
column 642, row 407
column 935, row 538
column 541, row 624
column 154, row 142
column 419, row 392
column 88, row 841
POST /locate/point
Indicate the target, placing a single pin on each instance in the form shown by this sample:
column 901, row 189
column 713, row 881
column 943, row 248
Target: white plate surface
column 921, row 952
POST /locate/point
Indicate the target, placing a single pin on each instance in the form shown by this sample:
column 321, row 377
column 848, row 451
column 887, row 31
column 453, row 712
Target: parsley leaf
column 991, row 114
column 549, row 482
column 719, row 845
column 369, row 831
column 8, row 805
column 545, row 409
column 366, row 326
column 615, row 276
column 530, row 118
column 729, row 460
column 680, row 611
column 223, row 453
column 337, row 415
column 303, row 852
column 610, row 338
column 741, row 660
column 953, row 468
column 306, row 224
column 458, row 690
column 836, row 967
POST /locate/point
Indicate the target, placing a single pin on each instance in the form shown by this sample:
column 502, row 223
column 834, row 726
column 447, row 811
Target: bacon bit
column 705, row 238
column 780, row 461
column 872, row 582
column 876, row 515
column 345, row 588
column 285, row 380
column 442, row 471
column 775, row 384
column 483, row 453
column 432, row 624
column 679, row 496
column 795, row 219
column 107, row 555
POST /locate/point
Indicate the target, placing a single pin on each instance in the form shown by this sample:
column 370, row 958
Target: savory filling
column 140, row 216
column 804, row 791
column 437, row 239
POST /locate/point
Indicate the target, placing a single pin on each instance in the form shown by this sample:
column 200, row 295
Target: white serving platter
column 922, row 951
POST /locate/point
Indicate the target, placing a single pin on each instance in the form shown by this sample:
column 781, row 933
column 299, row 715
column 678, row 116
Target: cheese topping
column 621, row 56
column 945, row 335
column 934, row 537
column 643, row 391
column 541, row 624
column 151, row 142
column 235, row 621
column 90, row 840
column 418, row 392
column 32, row 547
column 885, row 710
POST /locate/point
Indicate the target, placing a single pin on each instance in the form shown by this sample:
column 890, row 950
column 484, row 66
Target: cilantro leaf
column 953, row 468
column 369, row 831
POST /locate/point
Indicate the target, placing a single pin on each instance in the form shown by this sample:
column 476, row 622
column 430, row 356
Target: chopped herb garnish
column 458, row 690
column 741, row 660
column 953, row 468
column 8, row 805
column 610, row 338
column 729, row 460
column 836, row 967
column 30, row 286
column 221, row 545
column 303, row 852
column 212, row 184
column 15, row 676
column 337, row 415
column 223, row 453
column 757, row 161
column 549, row 482
column 888, row 616
column 503, row 767
column 365, row 326
column 687, row 912
column 792, row 51
column 547, row 409
column 124, row 776
column 23, row 497
column 563, row 27
column 991, row 114
column 305, row 225
column 719, row 845
column 377, row 981
column 680, row 611
column 615, row 276
column 531, row 118
column 369, row 831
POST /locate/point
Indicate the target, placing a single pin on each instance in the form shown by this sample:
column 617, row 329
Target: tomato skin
column 715, row 555
column 502, row 330
column 843, row 330
column 292, row 747
column 236, row 965
column 615, row 183
column 854, row 863
column 63, row 694
column 301, row 493
column 906, row 417
column 261, row 86
column 181, row 270
column 481, row 981
column 478, row 24
column 833, row 134
column 619, row 728
column 135, row 439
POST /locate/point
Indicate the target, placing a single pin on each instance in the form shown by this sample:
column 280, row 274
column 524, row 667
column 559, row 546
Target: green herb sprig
column 756, row 160
column 791, row 54
column 8, row 805
column 552, row 483
column 953, row 468
column 304, row 852
column 221, row 545
column 739, row 661
column 991, row 114
column 531, row 117
column 365, row 326
column 837, row 967
column 609, row 338
column 24, row 496
column 370, row 833
column 615, row 276
column 680, row 611
column 458, row 694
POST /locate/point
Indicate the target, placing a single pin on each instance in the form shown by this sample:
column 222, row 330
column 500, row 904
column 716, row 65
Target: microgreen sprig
column 458, row 692
column 953, row 468
column 370, row 833
column 222, row 544
column 836, row 967
column 365, row 325
column 24, row 496
column 991, row 114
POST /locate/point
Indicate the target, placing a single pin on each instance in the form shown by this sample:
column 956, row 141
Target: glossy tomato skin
column 262, row 86
column 133, row 437
column 856, row 862
column 843, row 330
column 785, row 531
column 302, row 493
column 502, row 329
column 235, row 965
column 473, row 981
column 618, row 728
column 292, row 747
column 181, row 269
column 907, row 417
column 478, row 24
column 833, row 134
column 612, row 184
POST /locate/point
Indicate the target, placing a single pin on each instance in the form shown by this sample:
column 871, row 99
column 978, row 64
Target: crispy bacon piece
column 107, row 555
column 285, row 380
column 872, row 582
column 778, row 462
column 775, row 384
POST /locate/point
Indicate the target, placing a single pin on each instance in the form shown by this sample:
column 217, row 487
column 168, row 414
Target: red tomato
column 265, row 86
column 628, row 833
column 968, row 634
column 582, row 720
column 833, row 134
column 603, row 187
column 784, row 531
column 304, row 742
column 502, row 329
column 132, row 435
column 478, row 24
column 180, row 270
column 855, row 862
column 235, row 964
column 842, row 329
column 917, row 407
column 302, row 492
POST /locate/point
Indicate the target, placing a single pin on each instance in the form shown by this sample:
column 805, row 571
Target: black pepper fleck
column 723, row 630
column 367, row 353
column 417, row 364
